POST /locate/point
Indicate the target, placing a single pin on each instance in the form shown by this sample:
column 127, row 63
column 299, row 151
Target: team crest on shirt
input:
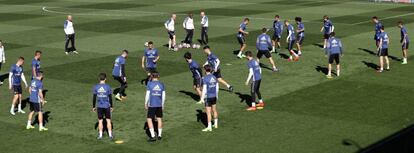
column 156, row 88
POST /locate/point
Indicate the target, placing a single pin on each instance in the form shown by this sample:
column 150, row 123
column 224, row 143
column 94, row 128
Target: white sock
column 273, row 48
column 19, row 107
column 216, row 121
column 40, row 125
column 29, row 123
column 337, row 72
column 228, row 86
column 159, row 132
column 296, row 55
column 240, row 53
column 290, row 57
column 260, row 101
column 110, row 133
column 152, row 132
column 169, row 44
column 253, row 104
column 209, row 125
column 100, row 133
column 12, row 108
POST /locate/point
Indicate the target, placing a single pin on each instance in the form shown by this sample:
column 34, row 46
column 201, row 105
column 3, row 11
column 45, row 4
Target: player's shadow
column 202, row 117
column 283, row 55
column 318, row 45
column 235, row 52
column 4, row 77
column 264, row 66
column 165, row 45
column 192, row 95
column 321, row 69
column 368, row 51
column 46, row 116
column 245, row 98
column 146, row 128
column 25, row 102
column 371, row 65
column 104, row 123
column 116, row 91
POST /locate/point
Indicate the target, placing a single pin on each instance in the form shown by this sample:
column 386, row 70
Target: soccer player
column 36, row 64
column 334, row 51
column 278, row 30
column 263, row 45
column 154, row 103
column 204, row 28
column 301, row 34
column 291, row 39
column 210, row 97
column 119, row 75
column 405, row 41
column 241, row 36
column 149, row 60
column 2, row 57
column 214, row 62
column 16, row 76
column 383, row 50
column 378, row 26
column 196, row 71
column 188, row 25
column 327, row 28
column 102, row 96
column 255, row 72
column 170, row 26
column 36, row 102
column 70, row 35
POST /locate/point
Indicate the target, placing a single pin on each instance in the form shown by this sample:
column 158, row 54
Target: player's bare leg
column 208, row 112
column 100, row 128
column 40, row 118
column 159, row 121
column 215, row 115
column 298, row 46
column 404, row 56
column 329, row 71
column 14, row 102
column 338, row 69
column 226, row 84
column 273, row 46
column 241, row 55
column 198, row 90
column 274, row 69
column 29, row 121
column 387, row 61
column 151, row 129
column 19, row 106
column 381, row 60
column 109, row 127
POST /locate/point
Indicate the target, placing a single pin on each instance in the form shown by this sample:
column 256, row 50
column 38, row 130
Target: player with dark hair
column 154, row 103
column 16, row 76
column 277, row 35
column 378, row 26
column 327, row 28
column 241, row 36
column 36, row 101
column 255, row 73
column 119, row 75
column 291, row 39
column 214, row 62
column 301, row 34
column 334, row 51
column 263, row 46
column 36, row 64
column 149, row 60
column 405, row 41
column 210, row 97
column 383, row 50
column 102, row 96
column 197, row 73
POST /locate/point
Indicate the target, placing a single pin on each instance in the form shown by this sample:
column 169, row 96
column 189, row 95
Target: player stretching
column 154, row 103
column 214, row 62
column 241, row 36
column 334, row 52
column 405, row 41
column 378, row 26
column 102, row 95
column 196, row 71
column 277, row 35
column 327, row 28
column 119, row 75
column 255, row 72
column 263, row 44
column 149, row 60
column 301, row 34
column 383, row 50
column 36, row 64
column 210, row 96
column 36, row 102
column 16, row 76
column 169, row 25
column 291, row 39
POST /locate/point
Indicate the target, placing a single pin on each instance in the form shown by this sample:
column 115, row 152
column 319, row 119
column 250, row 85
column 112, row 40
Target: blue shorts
column 171, row 34
column 291, row 43
column 276, row 37
column 405, row 45
column 300, row 40
column 241, row 40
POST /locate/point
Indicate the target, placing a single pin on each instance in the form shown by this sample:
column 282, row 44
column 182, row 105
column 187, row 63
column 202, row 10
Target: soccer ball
column 175, row 49
column 146, row 44
column 198, row 46
column 194, row 46
column 180, row 46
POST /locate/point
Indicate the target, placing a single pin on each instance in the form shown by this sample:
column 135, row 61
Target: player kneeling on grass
column 255, row 72
column 196, row 71
column 16, row 76
column 102, row 95
column 405, row 41
column 210, row 96
column 333, row 52
column 154, row 103
column 263, row 46
column 383, row 50
column 36, row 101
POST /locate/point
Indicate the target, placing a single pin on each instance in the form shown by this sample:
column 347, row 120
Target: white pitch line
column 390, row 17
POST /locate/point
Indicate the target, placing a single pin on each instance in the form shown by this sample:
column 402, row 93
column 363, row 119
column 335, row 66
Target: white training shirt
column 188, row 23
column 68, row 27
column 2, row 54
column 204, row 21
column 169, row 24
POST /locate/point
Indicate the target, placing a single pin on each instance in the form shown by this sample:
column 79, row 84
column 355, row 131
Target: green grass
column 304, row 111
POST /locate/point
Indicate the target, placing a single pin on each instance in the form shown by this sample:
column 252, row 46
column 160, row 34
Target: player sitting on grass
column 102, row 95
column 255, row 72
column 333, row 52
column 119, row 75
column 263, row 46
column 210, row 97
column 383, row 50
column 277, row 35
column 291, row 39
column 196, row 71
column 154, row 103
column 149, row 60
column 327, row 28
column 36, row 101
column 405, row 41
column 241, row 36
column 214, row 62
column 301, row 34
column 16, row 76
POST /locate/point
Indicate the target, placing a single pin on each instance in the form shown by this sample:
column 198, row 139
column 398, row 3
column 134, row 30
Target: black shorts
column 171, row 34
column 404, row 46
column 326, row 36
column 151, row 69
column 266, row 53
column 197, row 82
column 291, row 43
column 383, row 52
column 217, row 73
column 210, row 101
column 104, row 112
column 35, row 107
column 154, row 112
column 17, row 89
column 276, row 37
column 241, row 40
column 300, row 40
column 255, row 87
column 334, row 57
column 0, row 64
column 119, row 79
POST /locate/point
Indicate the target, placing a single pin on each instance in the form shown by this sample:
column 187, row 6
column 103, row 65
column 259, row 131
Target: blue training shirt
column 213, row 61
column 155, row 88
column 254, row 66
column 334, row 46
column 291, row 32
column 17, row 74
column 301, row 26
column 378, row 30
column 195, row 69
column 385, row 39
column 403, row 33
column 151, row 55
column 277, row 27
column 102, row 92
column 35, row 87
column 117, row 71
column 327, row 27
column 243, row 26
column 263, row 42
column 211, row 86
column 36, row 65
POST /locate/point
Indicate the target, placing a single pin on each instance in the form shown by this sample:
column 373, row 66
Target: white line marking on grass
column 390, row 17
